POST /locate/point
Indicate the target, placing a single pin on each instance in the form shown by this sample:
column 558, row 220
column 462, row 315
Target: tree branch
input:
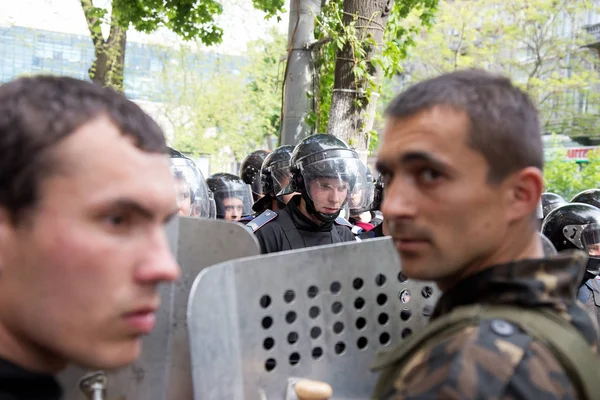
column 93, row 23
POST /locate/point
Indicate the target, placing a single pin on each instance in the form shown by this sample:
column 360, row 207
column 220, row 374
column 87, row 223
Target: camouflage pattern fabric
column 495, row 359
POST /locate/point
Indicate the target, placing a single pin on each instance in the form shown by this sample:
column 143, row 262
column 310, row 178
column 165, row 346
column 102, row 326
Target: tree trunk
column 349, row 120
column 109, row 63
column 299, row 71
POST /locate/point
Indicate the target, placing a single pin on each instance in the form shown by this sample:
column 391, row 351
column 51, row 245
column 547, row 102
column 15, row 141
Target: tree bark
column 348, row 120
column 109, row 61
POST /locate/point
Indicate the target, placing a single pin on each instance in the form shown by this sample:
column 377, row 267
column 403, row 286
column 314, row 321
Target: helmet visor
column 590, row 239
column 233, row 200
column 330, row 182
column 190, row 188
column 212, row 206
column 361, row 198
column 281, row 178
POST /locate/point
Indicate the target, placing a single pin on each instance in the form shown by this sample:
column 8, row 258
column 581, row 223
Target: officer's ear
column 523, row 190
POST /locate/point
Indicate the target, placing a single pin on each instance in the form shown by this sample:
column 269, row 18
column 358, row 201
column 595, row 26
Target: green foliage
column 567, row 177
column 227, row 115
column 397, row 42
column 540, row 44
column 271, row 7
column 189, row 19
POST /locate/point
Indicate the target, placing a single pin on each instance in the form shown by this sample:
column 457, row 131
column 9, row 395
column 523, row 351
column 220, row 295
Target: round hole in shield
column 290, row 317
column 336, row 307
column 380, row 280
column 268, row 343
column 292, row 337
column 317, row 352
column 406, row 333
column 381, row 299
column 289, row 296
column 427, row 310
column 384, row 338
column 359, row 303
column 294, row 358
column 265, row 301
column 315, row 332
column 312, row 292
column 401, row 277
column 338, row 327
column 335, row 287
column 362, row 343
column 361, row 323
column 314, row 312
column 405, row 315
column 270, row 364
column 358, row 283
column 427, row 292
column 383, row 318
column 267, row 322
column 339, row 347
column 404, row 296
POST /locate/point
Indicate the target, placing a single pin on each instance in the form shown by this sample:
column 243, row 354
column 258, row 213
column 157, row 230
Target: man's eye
column 117, row 220
column 428, row 175
column 385, row 178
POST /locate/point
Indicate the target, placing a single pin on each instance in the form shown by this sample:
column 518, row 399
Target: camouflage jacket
column 498, row 361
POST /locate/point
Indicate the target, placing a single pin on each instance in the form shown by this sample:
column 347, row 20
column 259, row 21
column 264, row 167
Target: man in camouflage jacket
column 461, row 158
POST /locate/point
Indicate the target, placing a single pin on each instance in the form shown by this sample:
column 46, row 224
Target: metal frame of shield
column 163, row 369
column 319, row 313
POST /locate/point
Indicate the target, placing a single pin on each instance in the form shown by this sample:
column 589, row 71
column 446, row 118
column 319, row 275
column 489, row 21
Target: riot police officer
column 361, row 202
column 192, row 191
column 274, row 176
column 324, row 172
column 380, row 229
column 250, row 172
column 576, row 226
column 233, row 197
column 590, row 196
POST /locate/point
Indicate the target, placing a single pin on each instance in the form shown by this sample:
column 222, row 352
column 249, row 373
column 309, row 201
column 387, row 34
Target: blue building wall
column 25, row 51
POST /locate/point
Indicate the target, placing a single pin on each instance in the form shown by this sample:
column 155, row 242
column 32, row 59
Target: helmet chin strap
column 310, row 207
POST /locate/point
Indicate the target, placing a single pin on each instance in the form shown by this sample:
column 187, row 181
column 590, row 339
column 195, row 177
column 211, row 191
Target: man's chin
column 112, row 356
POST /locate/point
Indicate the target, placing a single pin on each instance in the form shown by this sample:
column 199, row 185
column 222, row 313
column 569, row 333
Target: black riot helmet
column 576, row 226
column 192, row 191
column 250, row 171
column 591, row 197
column 378, row 194
column 275, row 171
column 233, row 197
column 324, row 168
column 361, row 198
column 550, row 201
column 275, row 175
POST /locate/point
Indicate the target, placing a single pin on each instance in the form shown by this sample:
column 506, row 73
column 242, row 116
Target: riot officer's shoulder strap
column 565, row 342
column 343, row 222
column 261, row 220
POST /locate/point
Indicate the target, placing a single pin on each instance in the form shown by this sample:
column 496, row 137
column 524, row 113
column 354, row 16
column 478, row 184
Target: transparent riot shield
column 320, row 313
column 163, row 370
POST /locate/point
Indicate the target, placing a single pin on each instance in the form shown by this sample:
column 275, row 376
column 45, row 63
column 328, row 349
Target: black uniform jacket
column 293, row 230
column 17, row 383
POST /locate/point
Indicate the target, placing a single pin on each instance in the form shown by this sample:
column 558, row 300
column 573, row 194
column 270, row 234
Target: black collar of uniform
column 23, row 384
column 549, row 282
column 301, row 221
